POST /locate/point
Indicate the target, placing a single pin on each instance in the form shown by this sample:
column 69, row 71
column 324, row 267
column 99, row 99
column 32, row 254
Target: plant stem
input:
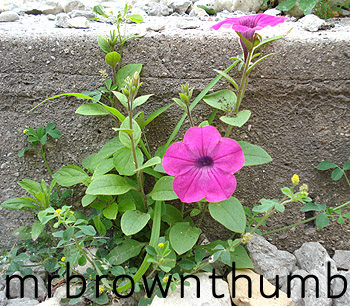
column 189, row 115
column 242, row 88
column 302, row 222
column 203, row 214
column 43, row 155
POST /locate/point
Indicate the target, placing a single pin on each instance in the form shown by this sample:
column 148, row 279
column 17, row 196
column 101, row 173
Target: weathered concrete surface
column 299, row 99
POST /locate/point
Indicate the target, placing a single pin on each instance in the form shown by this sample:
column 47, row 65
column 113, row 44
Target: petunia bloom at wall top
column 247, row 25
column 203, row 165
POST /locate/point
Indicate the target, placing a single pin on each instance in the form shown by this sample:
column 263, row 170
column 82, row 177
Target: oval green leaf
column 183, row 237
column 112, row 59
column 229, row 213
column 133, row 221
column 163, row 189
column 254, row 155
column 124, row 137
column 91, row 109
column 223, row 99
column 70, row 175
column 108, row 184
column 238, row 120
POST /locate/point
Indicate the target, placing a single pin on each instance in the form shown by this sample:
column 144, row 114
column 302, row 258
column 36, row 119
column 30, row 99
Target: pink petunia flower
column 247, row 25
column 203, row 165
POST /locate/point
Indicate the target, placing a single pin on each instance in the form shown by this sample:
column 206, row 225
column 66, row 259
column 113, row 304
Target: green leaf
column 265, row 206
column 326, row 165
column 99, row 10
column 103, row 167
column 104, row 45
column 124, row 137
column 19, row 204
column 135, row 18
column 126, row 204
column 124, row 162
column 172, row 215
column 111, row 211
column 241, row 258
column 163, row 189
column 140, row 100
column 322, row 220
column 91, row 109
column 280, row 207
column 227, row 77
column 101, row 228
column 87, row 199
column 258, row 61
column 127, row 249
column 37, row 229
column 183, row 236
column 286, row 5
column 151, row 162
column 70, row 175
column 237, row 120
column 108, row 184
column 229, row 213
column 30, row 186
column 50, row 265
column 180, row 103
column 87, row 229
column 313, row 207
column 223, row 99
column 68, row 233
column 346, row 165
column 254, row 155
column 155, row 114
column 133, row 221
column 112, row 59
column 337, row 174
column 307, row 5
column 54, row 133
column 121, row 98
column 127, row 71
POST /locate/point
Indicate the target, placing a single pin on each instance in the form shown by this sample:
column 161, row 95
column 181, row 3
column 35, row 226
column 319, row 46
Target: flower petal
column 228, row 155
column 213, row 184
column 202, row 140
column 221, row 186
column 178, row 159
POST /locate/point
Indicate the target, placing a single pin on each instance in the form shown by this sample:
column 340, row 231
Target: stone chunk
column 179, row 6
column 311, row 23
column 190, row 298
column 8, row 16
column 22, row 302
column 29, row 286
column 72, row 5
column 342, row 259
column 78, row 23
column 246, row 6
column 240, row 296
column 310, row 298
column 269, row 261
column 338, row 286
column 313, row 256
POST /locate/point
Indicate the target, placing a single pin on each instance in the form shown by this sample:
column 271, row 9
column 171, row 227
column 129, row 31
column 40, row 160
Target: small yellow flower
column 247, row 237
column 90, row 277
column 295, row 179
column 103, row 74
column 57, row 212
column 25, row 131
column 63, row 259
column 161, row 245
column 101, row 289
column 165, row 279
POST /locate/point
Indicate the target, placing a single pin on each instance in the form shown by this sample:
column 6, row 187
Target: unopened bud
column 135, row 79
column 246, row 238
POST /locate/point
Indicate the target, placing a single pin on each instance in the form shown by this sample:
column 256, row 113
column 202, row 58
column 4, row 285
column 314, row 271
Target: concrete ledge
column 299, row 100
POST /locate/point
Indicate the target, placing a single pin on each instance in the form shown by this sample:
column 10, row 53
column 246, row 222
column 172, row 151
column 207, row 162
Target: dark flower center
column 204, row 161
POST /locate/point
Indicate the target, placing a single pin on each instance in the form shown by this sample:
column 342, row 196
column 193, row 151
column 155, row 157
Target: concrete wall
column 299, row 100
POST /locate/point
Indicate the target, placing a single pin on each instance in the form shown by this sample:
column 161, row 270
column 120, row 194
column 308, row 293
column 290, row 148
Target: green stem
column 43, row 155
column 189, row 115
column 153, row 242
column 302, row 222
column 203, row 214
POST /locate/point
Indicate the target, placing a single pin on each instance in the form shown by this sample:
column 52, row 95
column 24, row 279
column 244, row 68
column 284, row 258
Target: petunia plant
column 159, row 231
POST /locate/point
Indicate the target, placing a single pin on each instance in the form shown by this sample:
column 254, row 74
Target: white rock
column 8, row 16
column 269, row 261
column 78, row 23
column 179, row 6
column 48, row 7
column 310, row 289
column 86, row 14
column 62, row 21
column 313, row 256
column 246, row 6
column 22, row 302
column 273, row 12
column 71, row 5
column 198, row 12
column 3, row 299
column 29, row 285
column 337, row 288
column 157, row 9
column 241, row 296
column 312, row 23
column 342, row 259
column 190, row 295
column 51, row 302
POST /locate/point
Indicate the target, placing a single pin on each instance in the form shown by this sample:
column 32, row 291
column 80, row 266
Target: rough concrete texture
column 299, row 100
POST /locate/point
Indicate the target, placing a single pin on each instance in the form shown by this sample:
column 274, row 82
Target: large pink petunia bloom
column 203, row 165
column 247, row 25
